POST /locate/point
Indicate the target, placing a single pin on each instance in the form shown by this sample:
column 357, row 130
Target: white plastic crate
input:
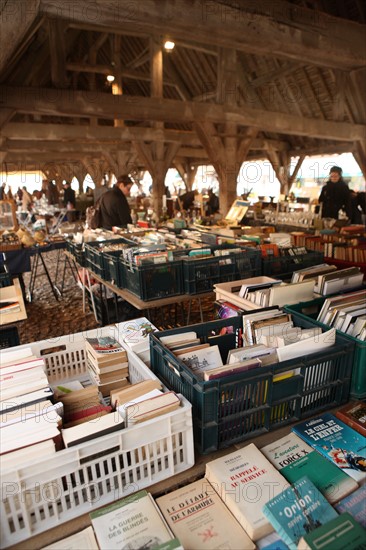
column 41, row 495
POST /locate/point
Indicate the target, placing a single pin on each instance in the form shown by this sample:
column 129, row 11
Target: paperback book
column 134, row 522
column 298, row 510
column 355, row 504
column 84, row 540
column 339, row 443
column 135, row 333
column 295, row 459
column 198, row 517
column 245, row 480
column 338, row 534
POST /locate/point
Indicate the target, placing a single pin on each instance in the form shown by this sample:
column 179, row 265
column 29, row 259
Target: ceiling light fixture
column 110, row 78
column 169, row 45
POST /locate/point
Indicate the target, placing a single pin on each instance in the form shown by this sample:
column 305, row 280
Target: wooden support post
column 187, row 172
column 360, row 155
column 95, row 170
column 117, row 88
column 292, row 177
column 227, row 155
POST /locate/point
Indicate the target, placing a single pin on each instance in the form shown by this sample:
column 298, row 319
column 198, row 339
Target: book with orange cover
column 269, row 250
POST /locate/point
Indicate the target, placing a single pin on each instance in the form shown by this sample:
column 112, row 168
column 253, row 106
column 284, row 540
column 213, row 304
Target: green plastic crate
column 232, row 409
column 200, row 274
column 96, row 258
column 283, row 267
column 310, row 310
column 153, row 281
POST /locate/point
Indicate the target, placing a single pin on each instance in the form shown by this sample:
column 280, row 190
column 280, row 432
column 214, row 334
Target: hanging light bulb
column 110, row 78
column 169, row 45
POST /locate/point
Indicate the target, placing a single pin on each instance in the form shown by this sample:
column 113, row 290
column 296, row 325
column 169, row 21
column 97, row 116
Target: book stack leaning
column 107, row 363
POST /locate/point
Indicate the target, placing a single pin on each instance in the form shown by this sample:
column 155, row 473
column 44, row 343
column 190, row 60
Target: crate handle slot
column 55, row 349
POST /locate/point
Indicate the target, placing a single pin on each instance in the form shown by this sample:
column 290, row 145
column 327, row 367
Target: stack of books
column 346, row 313
column 82, row 405
column 23, row 380
column 107, row 363
column 338, row 281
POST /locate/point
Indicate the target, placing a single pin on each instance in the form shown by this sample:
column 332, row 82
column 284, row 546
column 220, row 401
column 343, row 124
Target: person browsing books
column 114, row 207
column 335, row 195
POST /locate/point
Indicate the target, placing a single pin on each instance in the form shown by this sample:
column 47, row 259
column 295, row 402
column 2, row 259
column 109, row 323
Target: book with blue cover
column 297, row 511
column 355, row 504
column 337, row 442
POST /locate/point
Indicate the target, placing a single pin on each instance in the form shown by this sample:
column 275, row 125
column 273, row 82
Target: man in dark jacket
column 114, row 207
column 335, row 195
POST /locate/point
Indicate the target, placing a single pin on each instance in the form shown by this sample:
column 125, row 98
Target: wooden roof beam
column 18, row 21
column 56, row 32
column 108, row 134
column 303, row 35
column 82, row 103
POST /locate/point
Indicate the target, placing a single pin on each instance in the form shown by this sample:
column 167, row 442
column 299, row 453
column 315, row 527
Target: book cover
column 354, row 415
column 134, row 522
column 90, row 429
column 355, row 504
column 198, row 517
column 103, row 345
column 297, row 510
column 271, row 542
column 135, row 333
column 232, row 369
column 84, row 540
column 245, row 480
column 339, row 533
column 302, row 347
column 151, row 407
column 202, row 360
column 119, row 397
column 295, row 459
column 343, row 446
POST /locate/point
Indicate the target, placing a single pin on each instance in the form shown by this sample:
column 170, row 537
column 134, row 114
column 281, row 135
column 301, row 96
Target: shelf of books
column 72, row 437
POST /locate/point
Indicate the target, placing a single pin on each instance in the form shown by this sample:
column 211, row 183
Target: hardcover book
column 245, row 480
column 355, row 504
column 339, row 533
column 298, row 510
column 295, row 459
column 354, row 415
column 343, row 446
column 132, row 523
column 198, row 517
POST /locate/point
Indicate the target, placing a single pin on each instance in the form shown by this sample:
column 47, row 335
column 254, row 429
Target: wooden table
column 184, row 478
column 155, row 304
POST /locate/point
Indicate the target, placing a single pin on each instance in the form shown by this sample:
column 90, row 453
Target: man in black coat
column 114, row 207
column 335, row 195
